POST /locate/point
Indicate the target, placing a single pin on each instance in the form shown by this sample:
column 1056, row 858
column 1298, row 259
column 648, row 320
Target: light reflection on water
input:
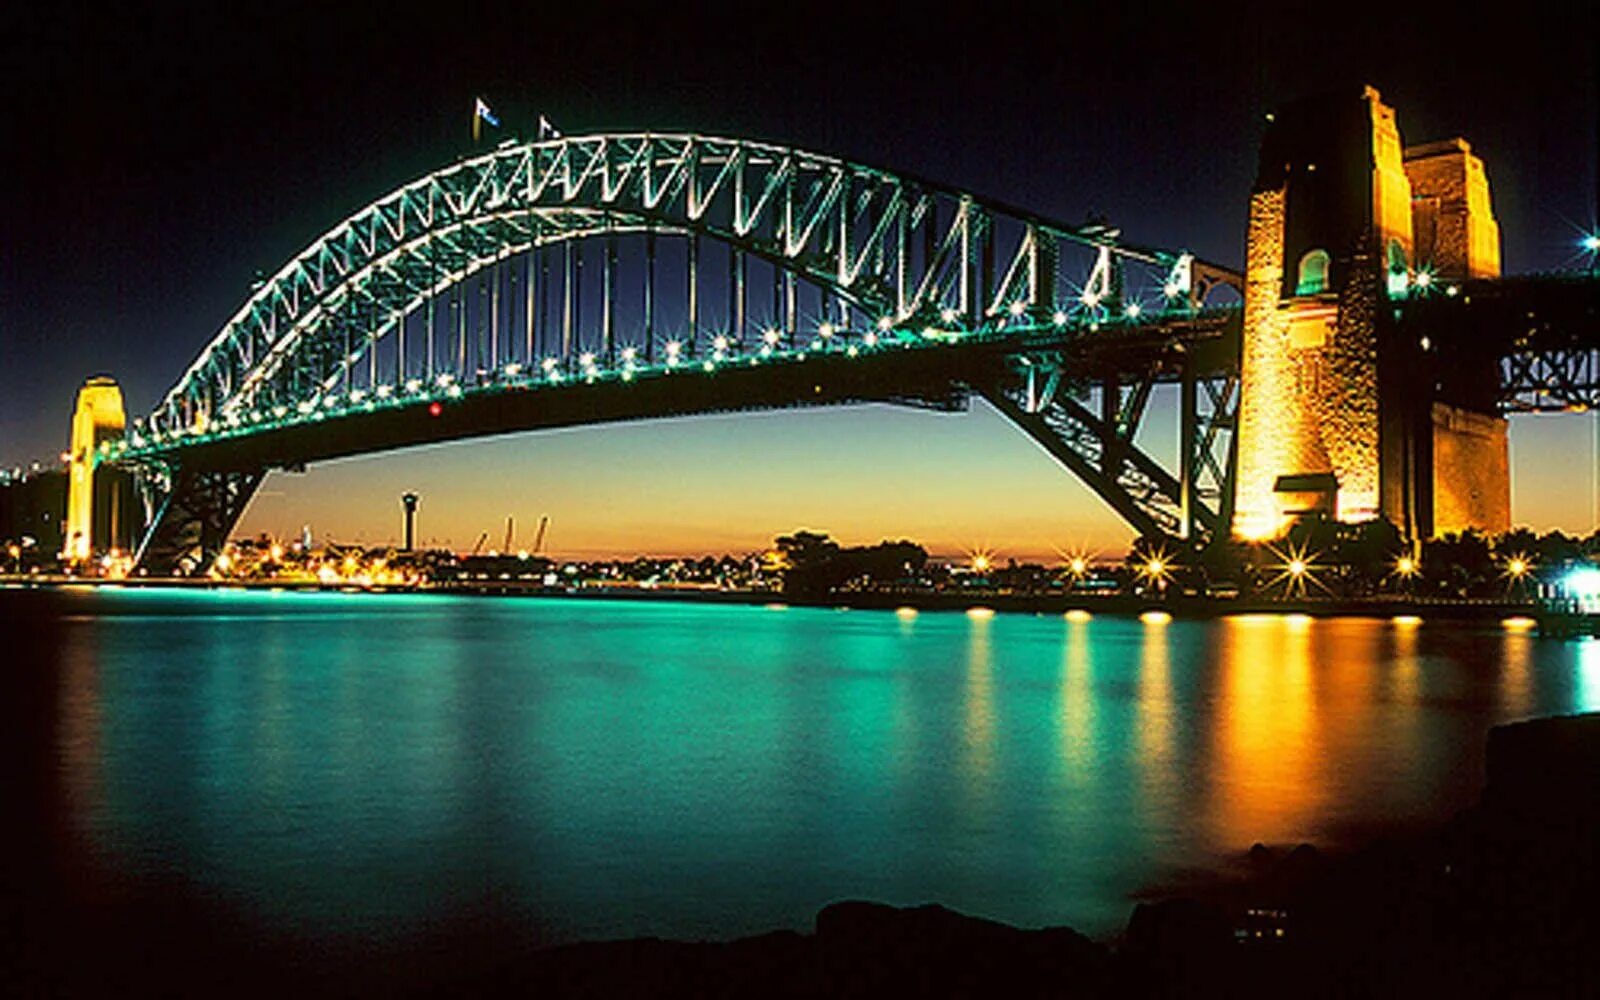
column 366, row 764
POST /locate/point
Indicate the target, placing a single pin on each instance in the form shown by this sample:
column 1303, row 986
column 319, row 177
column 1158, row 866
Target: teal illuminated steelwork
column 413, row 302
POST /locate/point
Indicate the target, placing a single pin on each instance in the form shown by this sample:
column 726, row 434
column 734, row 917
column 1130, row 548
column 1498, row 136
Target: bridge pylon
column 93, row 516
column 1341, row 414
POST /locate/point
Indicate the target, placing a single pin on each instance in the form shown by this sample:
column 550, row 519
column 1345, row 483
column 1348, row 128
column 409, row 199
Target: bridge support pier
column 194, row 512
column 1342, row 415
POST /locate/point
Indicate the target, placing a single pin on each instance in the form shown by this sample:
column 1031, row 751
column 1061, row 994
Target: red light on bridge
column 434, row 408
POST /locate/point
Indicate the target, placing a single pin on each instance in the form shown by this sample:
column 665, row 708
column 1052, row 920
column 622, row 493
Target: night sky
column 156, row 164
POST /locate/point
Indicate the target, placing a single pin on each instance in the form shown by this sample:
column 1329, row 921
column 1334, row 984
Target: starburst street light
column 1296, row 570
column 1517, row 567
column 1156, row 569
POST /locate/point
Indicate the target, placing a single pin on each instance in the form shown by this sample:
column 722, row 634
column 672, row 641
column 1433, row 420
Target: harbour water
column 364, row 767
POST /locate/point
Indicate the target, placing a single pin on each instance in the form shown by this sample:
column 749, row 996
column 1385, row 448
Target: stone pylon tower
column 1337, row 418
column 98, row 416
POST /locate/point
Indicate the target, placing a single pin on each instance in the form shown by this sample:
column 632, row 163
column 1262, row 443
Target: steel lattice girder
column 1101, row 450
column 1528, row 343
column 1554, row 380
column 902, row 248
column 196, row 510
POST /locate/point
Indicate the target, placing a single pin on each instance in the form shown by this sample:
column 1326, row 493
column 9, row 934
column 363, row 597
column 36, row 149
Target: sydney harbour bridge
column 607, row 277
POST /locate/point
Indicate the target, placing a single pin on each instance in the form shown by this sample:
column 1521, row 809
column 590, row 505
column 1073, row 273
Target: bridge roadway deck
column 939, row 377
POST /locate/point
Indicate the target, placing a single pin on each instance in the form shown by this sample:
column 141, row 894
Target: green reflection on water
column 367, row 763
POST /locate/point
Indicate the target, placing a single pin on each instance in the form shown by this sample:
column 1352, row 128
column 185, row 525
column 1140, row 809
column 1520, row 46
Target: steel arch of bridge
column 904, row 253
column 882, row 263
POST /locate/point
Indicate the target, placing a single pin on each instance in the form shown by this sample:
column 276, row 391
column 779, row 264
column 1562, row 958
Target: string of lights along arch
column 543, row 272
column 617, row 256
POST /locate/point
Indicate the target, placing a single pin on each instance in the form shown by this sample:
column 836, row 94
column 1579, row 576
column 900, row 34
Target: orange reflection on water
column 978, row 718
column 79, row 726
column 1266, row 786
column 1155, row 699
column 1516, row 672
column 1077, row 701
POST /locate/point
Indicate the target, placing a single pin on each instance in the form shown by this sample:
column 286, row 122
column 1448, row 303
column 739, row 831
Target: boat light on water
column 906, row 612
column 1078, row 615
column 1518, row 623
column 1155, row 617
column 1407, row 621
column 980, row 614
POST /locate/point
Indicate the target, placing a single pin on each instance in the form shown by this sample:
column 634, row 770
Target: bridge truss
column 596, row 262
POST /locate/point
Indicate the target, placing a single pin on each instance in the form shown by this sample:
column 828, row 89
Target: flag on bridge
column 481, row 114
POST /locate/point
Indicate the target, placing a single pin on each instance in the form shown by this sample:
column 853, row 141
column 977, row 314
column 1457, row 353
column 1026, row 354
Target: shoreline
column 1123, row 605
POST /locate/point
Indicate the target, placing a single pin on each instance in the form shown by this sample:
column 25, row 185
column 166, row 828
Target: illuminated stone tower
column 1335, row 420
column 97, row 417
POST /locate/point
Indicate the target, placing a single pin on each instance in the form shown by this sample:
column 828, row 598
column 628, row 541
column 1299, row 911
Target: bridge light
column 357, row 395
column 279, row 411
column 719, row 343
column 871, row 339
column 673, row 347
column 306, row 406
column 766, row 352
column 385, row 391
column 771, row 335
column 708, row 364
column 513, row 369
column 629, row 353
column 1132, row 310
column 627, row 375
column 445, row 379
column 1591, row 243
column 1090, row 299
column 825, row 330
column 1405, row 566
column 1059, row 319
column 1297, row 568
column 1078, row 566
column 1018, row 307
column 556, row 376
column 1171, row 290
column 851, row 351
column 413, row 385
column 549, row 365
column 885, row 323
column 930, row 332
column 1424, row 279
column 947, row 314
